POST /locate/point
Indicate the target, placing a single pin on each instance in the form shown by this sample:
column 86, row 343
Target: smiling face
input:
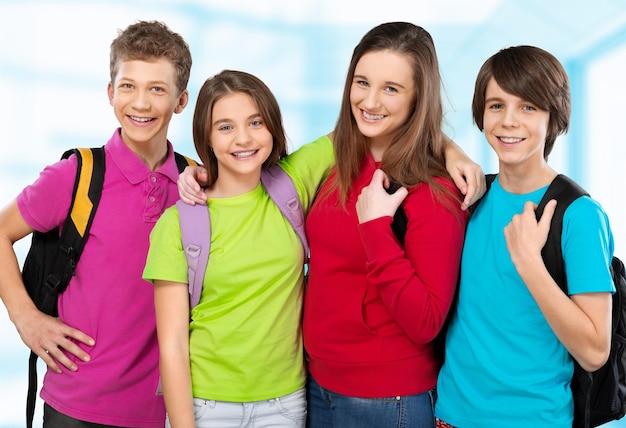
column 515, row 129
column 239, row 138
column 382, row 95
column 144, row 96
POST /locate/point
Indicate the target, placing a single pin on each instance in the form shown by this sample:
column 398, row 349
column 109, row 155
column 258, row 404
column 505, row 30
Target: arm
column 43, row 334
column 467, row 175
column 583, row 322
column 417, row 283
column 171, row 302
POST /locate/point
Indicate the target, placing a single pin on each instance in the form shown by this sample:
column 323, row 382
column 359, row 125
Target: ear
column 183, row 99
column 110, row 92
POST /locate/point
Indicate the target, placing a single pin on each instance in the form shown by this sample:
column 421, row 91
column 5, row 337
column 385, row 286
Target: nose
column 242, row 136
column 141, row 101
column 510, row 118
column 371, row 100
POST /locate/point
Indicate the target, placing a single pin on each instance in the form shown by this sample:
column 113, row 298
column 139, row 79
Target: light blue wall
column 54, row 72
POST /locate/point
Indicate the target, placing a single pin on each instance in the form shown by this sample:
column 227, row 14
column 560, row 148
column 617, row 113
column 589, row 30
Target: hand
column 188, row 183
column 374, row 201
column 47, row 337
column 468, row 176
column 525, row 236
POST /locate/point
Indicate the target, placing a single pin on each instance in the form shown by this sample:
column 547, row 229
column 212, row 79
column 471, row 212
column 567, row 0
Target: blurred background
column 54, row 72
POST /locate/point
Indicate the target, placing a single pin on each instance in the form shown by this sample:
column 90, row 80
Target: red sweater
column 373, row 308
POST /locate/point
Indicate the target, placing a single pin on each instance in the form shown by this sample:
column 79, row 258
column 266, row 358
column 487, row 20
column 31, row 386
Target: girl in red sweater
column 373, row 306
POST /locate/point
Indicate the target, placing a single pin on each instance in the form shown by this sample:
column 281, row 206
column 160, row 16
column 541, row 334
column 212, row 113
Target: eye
column 529, row 107
column 495, row 106
column 362, row 83
column 391, row 90
column 256, row 123
column 158, row 89
column 225, row 128
column 126, row 86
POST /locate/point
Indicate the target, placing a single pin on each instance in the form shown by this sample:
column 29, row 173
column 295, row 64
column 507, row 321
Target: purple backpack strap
column 195, row 228
column 281, row 189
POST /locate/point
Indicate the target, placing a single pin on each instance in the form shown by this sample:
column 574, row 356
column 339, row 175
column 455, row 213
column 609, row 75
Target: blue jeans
column 328, row 409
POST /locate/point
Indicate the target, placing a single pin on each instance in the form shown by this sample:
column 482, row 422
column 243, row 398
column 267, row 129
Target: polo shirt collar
column 132, row 167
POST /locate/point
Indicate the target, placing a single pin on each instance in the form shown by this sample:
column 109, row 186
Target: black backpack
column 599, row 396
column 51, row 260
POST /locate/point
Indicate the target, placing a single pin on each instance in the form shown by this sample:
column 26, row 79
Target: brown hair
column 534, row 75
column 229, row 82
column 416, row 152
column 148, row 40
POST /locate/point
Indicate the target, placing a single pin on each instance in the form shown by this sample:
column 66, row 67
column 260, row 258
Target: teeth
column 372, row 116
column 244, row 154
column 141, row 119
column 510, row 140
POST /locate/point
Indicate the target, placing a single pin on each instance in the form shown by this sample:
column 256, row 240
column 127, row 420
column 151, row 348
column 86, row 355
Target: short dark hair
column 230, row 82
column 152, row 39
column 534, row 75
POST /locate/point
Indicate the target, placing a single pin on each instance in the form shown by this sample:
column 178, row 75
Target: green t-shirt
column 245, row 333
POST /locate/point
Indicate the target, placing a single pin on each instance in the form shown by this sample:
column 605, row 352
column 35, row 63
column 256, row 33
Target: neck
column 227, row 186
column 525, row 180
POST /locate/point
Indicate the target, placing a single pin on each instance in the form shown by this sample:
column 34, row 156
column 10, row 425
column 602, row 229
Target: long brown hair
column 229, row 82
column 416, row 152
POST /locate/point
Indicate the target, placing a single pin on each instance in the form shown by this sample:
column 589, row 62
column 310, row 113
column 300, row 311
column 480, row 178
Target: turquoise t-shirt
column 245, row 333
column 504, row 366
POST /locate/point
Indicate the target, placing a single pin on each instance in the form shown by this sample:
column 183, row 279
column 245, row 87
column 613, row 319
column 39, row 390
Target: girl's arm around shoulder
column 418, row 282
column 171, row 302
column 309, row 166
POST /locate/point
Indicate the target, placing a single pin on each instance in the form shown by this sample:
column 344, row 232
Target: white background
column 54, row 71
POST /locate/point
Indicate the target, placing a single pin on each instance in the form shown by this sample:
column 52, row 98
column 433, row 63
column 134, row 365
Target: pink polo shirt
column 108, row 299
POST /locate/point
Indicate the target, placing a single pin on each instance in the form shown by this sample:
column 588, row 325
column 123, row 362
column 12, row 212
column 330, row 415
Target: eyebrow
column 227, row 119
column 388, row 82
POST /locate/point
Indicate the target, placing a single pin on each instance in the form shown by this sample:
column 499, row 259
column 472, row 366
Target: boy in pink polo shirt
column 102, row 352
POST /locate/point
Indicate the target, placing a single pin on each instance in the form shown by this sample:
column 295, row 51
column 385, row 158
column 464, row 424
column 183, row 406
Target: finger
column 399, row 195
column 546, row 216
column 59, row 357
column 460, row 181
column 380, row 177
column 49, row 360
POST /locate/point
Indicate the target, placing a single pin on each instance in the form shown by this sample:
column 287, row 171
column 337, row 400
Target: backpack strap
column 85, row 199
column 195, row 229
column 195, row 226
column 281, row 189
column 565, row 191
column 183, row 161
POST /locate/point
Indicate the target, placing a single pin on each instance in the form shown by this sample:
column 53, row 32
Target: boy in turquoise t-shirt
column 511, row 343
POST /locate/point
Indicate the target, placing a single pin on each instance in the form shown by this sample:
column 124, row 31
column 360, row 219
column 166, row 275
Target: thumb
column 548, row 213
column 380, row 177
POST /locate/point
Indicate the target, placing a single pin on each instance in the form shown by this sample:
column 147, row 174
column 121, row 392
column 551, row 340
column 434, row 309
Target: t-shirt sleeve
column 166, row 259
column 308, row 167
column 587, row 246
column 45, row 203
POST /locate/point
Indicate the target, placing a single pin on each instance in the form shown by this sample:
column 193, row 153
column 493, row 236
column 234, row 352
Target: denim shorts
column 287, row 411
